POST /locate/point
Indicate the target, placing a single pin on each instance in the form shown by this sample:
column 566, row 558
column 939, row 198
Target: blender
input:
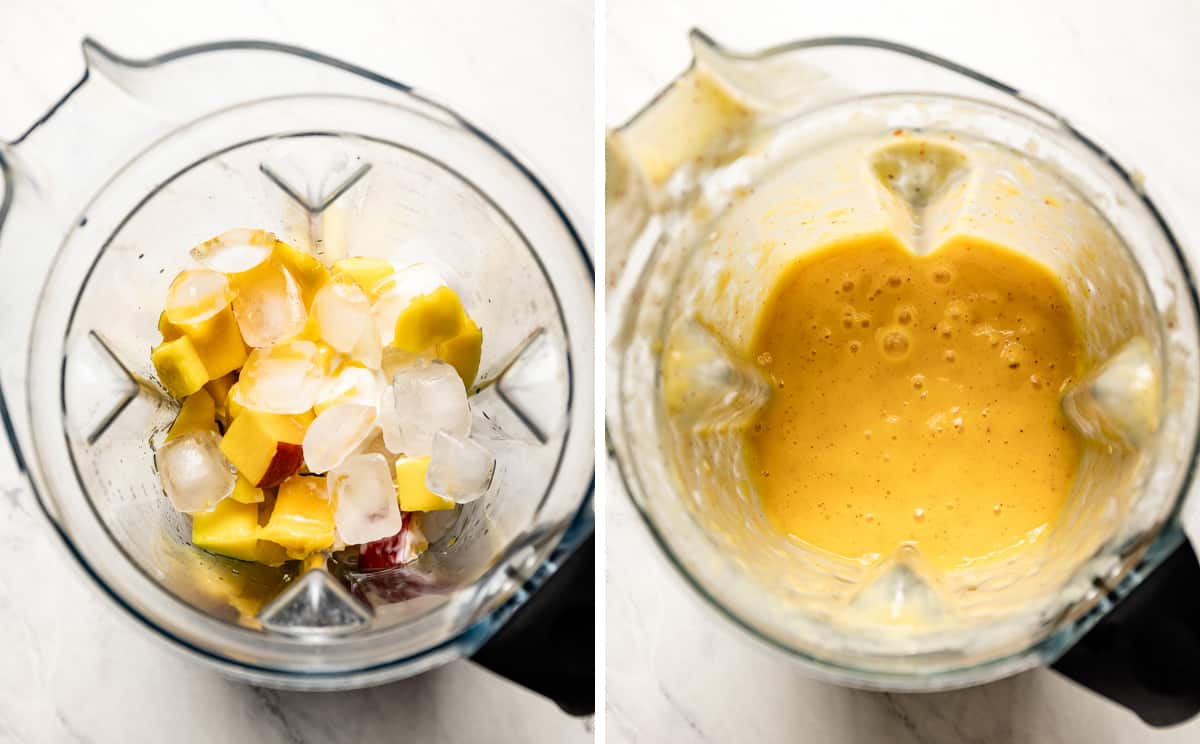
column 103, row 196
column 746, row 163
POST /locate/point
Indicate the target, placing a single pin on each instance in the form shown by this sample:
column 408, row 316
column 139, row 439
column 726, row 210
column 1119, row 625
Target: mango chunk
column 232, row 407
column 367, row 272
column 168, row 330
column 231, row 529
column 429, row 320
column 245, row 492
column 463, row 351
column 219, row 390
column 265, row 447
column 305, row 268
column 218, row 342
column 198, row 414
column 414, row 496
column 302, row 519
column 179, row 367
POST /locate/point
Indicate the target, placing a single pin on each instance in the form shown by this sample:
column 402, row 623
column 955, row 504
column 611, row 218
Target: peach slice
column 265, row 448
column 302, row 518
column 411, row 490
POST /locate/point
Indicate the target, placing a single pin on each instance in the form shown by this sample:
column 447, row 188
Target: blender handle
column 549, row 644
column 1144, row 653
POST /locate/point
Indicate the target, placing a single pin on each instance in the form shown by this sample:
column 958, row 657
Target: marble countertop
column 76, row 669
column 676, row 671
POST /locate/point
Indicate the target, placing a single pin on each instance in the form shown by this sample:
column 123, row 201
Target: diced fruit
column 395, row 293
column 194, row 472
column 302, row 519
column 235, row 251
column 364, row 498
column 179, row 367
column 233, row 405
column 266, row 448
column 305, row 268
column 219, row 390
column 463, row 352
column 411, row 491
column 343, row 313
column 365, row 271
column 285, row 378
column 403, row 547
column 168, row 330
column 218, row 343
column 245, row 492
column 429, row 320
column 196, row 295
column 269, row 306
column 231, row 529
column 197, row 414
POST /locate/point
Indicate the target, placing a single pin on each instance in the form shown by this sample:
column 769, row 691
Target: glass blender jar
column 101, row 200
column 745, row 163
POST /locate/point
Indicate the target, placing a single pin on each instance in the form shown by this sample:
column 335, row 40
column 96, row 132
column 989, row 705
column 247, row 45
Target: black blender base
column 1145, row 654
column 549, row 645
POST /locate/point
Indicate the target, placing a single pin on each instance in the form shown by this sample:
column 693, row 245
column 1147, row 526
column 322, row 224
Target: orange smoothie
column 916, row 400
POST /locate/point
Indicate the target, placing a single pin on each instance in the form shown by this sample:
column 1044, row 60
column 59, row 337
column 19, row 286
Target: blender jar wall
column 186, row 155
column 775, row 109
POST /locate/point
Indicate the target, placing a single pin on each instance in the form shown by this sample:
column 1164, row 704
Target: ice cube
column 350, row 384
column 269, row 307
column 459, row 469
column 343, row 313
column 364, row 497
column 395, row 293
column 235, row 251
column 335, row 434
column 429, row 397
column 368, row 350
column 194, row 472
column 196, row 295
column 285, row 378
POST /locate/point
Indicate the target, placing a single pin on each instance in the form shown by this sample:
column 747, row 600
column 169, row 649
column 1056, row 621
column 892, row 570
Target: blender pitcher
column 143, row 159
column 748, row 161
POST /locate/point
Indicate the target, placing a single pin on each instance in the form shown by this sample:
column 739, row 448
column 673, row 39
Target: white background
column 1126, row 73
column 71, row 667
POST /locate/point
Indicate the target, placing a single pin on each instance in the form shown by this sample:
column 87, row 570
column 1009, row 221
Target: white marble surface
column 1129, row 75
column 73, row 668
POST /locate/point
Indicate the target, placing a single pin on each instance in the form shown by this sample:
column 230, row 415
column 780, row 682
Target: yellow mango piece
column 219, row 390
column 306, row 269
column 367, row 272
column 429, row 320
column 232, row 407
column 302, row 519
column 265, row 447
column 197, row 414
column 463, row 351
column 231, row 529
column 179, row 367
column 168, row 330
column 218, row 342
column 411, row 490
column 245, row 492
